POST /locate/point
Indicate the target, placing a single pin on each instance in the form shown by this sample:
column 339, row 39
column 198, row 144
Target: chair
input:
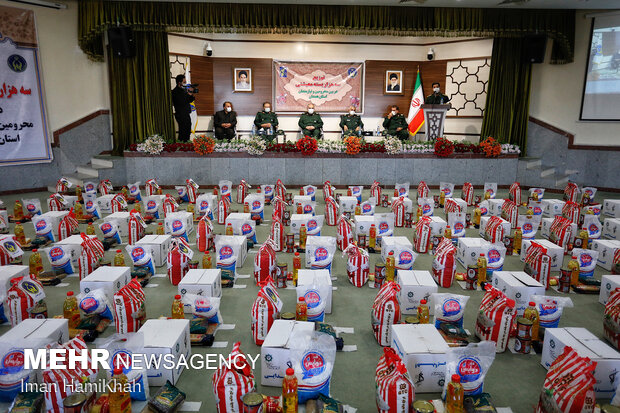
column 301, row 134
column 358, row 133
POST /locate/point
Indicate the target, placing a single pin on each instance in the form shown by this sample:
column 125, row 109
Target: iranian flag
column 415, row 119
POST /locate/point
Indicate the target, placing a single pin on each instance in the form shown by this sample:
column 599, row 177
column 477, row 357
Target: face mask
column 351, row 112
column 393, row 113
column 311, row 111
column 267, row 110
column 228, row 109
column 436, row 90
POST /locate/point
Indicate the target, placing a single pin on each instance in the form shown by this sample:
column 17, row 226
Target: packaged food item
column 169, row 205
column 375, row 192
column 529, row 225
column 265, row 309
column 571, row 211
column 56, row 202
column 587, row 260
column 136, row 227
column 401, row 190
column 105, row 187
column 226, row 189
column 514, row 193
column 60, row 258
column 588, row 192
column 134, row 191
column 467, row 193
column 449, row 308
column 447, row 189
column 28, row 402
column 538, row 263
column 368, row 207
column 242, row 191
column 231, row 384
column 265, row 262
column 423, row 190
column 331, row 211
column 398, row 209
column 404, row 257
column 268, row 191
column 611, row 321
column 358, row 267
column 141, row 257
column 121, row 348
column 494, row 230
column 550, row 309
column 96, row 302
column 312, row 356
column 118, row 203
column 593, row 225
column 257, row 205
column 177, row 263
column 152, row 206
column 422, row 235
column 129, row 307
column 385, row 312
column 490, row 190
column 167, row 399
column 13, row 373
column 10, row 250
column 110, row 231
column 320, row 254
column 315, row 295
column 510, row 212
column 223, row 209
column 571, row 192
column 32, row 206
column 471, row 363
column 444, row 263
column 43, row 227
column 427, row 205
column 205, row 234
column 395, row 389
column 92, row 252
column 458, row 222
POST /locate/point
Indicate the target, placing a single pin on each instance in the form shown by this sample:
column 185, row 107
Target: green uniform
column 315, row 120
column 436, row 99
column 266, row 117
column 351, row 122
column 397, row 121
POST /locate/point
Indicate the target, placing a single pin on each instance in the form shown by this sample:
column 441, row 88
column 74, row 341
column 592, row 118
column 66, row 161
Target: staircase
column 88, row 172
column 535, row 173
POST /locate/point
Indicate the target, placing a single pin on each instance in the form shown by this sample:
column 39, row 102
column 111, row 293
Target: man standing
column 311, row 122
column 437, row 98
column 225, row 122
column 181, row 98
column 351, row 124
column 266, row 122
column 396, row 125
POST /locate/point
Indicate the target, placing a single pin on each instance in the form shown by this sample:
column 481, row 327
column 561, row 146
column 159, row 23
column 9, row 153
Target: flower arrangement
column 392, row 145
column 377, row 147
column 256, row 145
column 230, row 146
column 418, row 147
column 203, row 144
column 491, row 147
column 285, row 147
column 353, row 143
column 307, row 145
column 510, row 149
column 152, row 145
column 443, row 147
column 331, row 146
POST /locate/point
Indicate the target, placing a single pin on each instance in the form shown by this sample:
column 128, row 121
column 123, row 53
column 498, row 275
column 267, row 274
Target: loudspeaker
column 534, row 49
column 121, row 41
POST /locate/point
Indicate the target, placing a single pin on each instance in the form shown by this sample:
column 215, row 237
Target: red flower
column 307, row 145
column 443, row 147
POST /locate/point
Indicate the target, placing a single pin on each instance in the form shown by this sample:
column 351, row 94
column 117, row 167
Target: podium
column 434, row 118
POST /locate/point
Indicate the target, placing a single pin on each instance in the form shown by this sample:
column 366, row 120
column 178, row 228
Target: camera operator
column 181, row 99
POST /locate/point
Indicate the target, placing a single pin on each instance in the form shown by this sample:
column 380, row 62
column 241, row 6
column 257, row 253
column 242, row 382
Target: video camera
column 192, row 87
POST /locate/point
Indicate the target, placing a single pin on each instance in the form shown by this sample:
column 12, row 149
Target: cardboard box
column 606, row 251
column 555, row 252
column 187, row 217
column 160, row 198
column 588, row 345
column 56, row 330
column 438, row 226
column 306, row 278
column 469, row 250
column 163, row 337
column 238, row 243
column 423, row 351
column 483, row 224
column 122, row 221
column 237, row 219
column 310, row 221
column 608, row 284
column 104, row 202
column 415, row 286
column 9, row 272
column 388, row 243
column 408, row 204
column 461, row 203
column 159, row 245
column 363, row 223
column 54, row 218
column 110, row 279
column 306, row 202
column 275, row 352
column 73, row 245
column 546, row 226
column 611, row 208
column 611, row 228
column 552, row 207
column 206, row 283
column 347, row 203
column 495, row 206
column 519, row 286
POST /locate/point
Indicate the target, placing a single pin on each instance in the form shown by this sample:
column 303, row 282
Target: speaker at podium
column 434, row 119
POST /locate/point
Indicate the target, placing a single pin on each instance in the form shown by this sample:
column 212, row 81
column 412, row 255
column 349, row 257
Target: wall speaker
column 121, row 41
column 534, row 49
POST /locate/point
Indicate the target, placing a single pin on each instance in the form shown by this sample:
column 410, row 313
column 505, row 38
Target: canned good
column 347, row 215
column 524, row 328
column 564, row 284
column 422, row 406
column 290, row 242
column 468, row 220
column 471, row 278
column 361, row 241
column 193, row 265
column 286, row 219
column 338, row 197
column 288, row 197
column 287, row 316
column 271, row 404
column 523, row 345
column 379, row 275
column 74, row 403
column 281, row 273
column 252, row 402
column 477, row 199
column 509, row 242
column 384, row 201
column 39, row 310
column 435, row 240
column 436, row 200
column 412, row 320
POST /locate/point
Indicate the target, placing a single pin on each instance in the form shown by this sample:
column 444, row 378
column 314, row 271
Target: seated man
column 351, row 124
column 266, row 122
column 225, row 122
column 395, row 124
column 437, row 98
column 311, row 123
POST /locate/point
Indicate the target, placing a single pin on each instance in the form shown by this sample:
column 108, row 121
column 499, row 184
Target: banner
column 24, row 136
column 331, row 87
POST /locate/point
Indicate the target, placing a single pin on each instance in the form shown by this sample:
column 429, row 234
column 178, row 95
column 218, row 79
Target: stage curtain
column 508, row 96
column 140, row 91
column 96, row 16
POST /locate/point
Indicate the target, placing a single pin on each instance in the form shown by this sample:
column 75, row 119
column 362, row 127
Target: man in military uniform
column 437, row 98
column 351, row 124
column 395, row 124
column 311, row 122
column 266, row 122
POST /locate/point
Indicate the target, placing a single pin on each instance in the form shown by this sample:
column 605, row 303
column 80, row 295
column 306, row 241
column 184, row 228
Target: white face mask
column 351, row 112
column 267, row 110
column 393, row 113
column 228, row 109
column 436, row 90
column 311, row 111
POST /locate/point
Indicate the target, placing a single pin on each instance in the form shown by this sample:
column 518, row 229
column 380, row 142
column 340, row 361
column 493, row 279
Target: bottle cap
column 391, row 253
column 35, row 250
column 422, row 301
column 574, row 257
column 118, row 251
column 532, row 304
column 69, row 293
column 290, row 372
column 447, row 226
column 297, row 253
column 302, row 299
column 161, row 223
column 518, row 227
column 456, row 378
column 482, row 254
column 177, row 297
column 118, row 370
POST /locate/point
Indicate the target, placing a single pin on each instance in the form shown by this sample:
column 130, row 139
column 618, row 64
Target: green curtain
column 508, row 95
column 140, row 91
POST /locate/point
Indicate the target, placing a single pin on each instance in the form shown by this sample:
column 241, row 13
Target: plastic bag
column 320, row 252
column 134, row 191
column 471, row 363
column 256, row 203
column 458, row 223
column 368, row 207
column 141, row 257
column 402, row 189
column 121, row 348
column 427, row 205
column 32, row 206
column 310, row 190
column 110, row 231
column 587, row 260
column 315, row 296
column 444, row 263
column 204, row 307
column 540, row 192
column 447, row 188
column 529, row 225
column 550, row 309
column 13, row 375
column 404, row 257
column 449, row 308
column 176, row 227
column 491, row 189
column 152, row 205
column 312, row 356
column 206, row 204
column 96, row 302
column 593, row 225
column 59, row 257
column 43, row 227
column 358, row 267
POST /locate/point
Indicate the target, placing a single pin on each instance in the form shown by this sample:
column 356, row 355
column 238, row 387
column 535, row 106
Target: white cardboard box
column 363, row 223
column 306, row 278
column 104, row 202
column 9, row 272
column 438, row 226
column 519, row 286
column 483, row 224
column 415, row 286
column 159, row 246
column 611, row 208
column 347, row 203
column 73, row 245
column 555, row 252
column 611, row 228
column 388, row 244
column 110, row 279
column 588, row 345
column 546, row 227
column 238, row 243
column 185, row 216
column 307, row 204
column 236, row 219
column 206, row 283
column 606, row 250
column 552, row 207
column 609, row 283
column 461, row 203
column 275, row 352
column 54, row 218
column 469, row 250
column 495, row 206
column 312, row 222
column 423, row 351
column 56, row 330
column 166, row 337
column 5, row 215
column 122, row 221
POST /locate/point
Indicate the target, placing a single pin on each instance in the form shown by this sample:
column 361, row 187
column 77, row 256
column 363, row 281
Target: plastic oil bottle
column 120, row 400
column 455, row 395
column 160, row 229
column 19, row 234
column 442, row 198
column 418, row 214
column 301, row 310
column 573, row 266
column 90, row 229
column 390, row 267
column 372, row 236
column 518, row 241
column 78, row 193
column 303, row 235
column 119, row 259
column 289, row 392
column 70, row 310
column 79, row 212
column 35, row 263
column 229, row 229
column 18, row 210
column 532, row 314
column 482, row 269
column 448, row 232
column 177, row 308
column 296, row 267
column 207, row 262
column 423, row 312
column 477, row 216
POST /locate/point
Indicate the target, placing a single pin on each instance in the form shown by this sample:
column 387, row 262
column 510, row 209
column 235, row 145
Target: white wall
column 556, row 93
column 74, row 86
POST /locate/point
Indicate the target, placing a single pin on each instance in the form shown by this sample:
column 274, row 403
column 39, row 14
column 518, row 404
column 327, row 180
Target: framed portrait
column 393, row 82
column 242, row 80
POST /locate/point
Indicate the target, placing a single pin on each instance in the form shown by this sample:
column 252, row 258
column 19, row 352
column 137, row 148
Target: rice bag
column 10, row 249
column 57, row 202
column 590, row 191
column 206, row 204
column 467, row 193
column 444, row 263
column 121, row 348
column 496, row 317
column 134, row 191
column 232, row 381
column 312, row 355
column 315, row 295
column 529, row 225
column 356, row 191
column 449, row 308
column 169, row 205
column 257, row 205
column 32, row 206
column 129, row 307
column 265, row 309
column 265, row 263
column 395, row 389
column 13, row 375
column 248, row 230
column 495, row 254
column 331, row 211
column 105, row 187
column 490, row 188
column 242, row 191
column 471, row 363
column 368, row 207
column 23, row 296
column 43, row 227
column 402, row 189
column 514, row 193
column 375, row 192
column 399, row 209
column 447, row 189
column 358, row 267
column 59, row 257
column 192, row 190
column 345, row 232
column 384, row 224
column 226, row 258
column 110, row 231
column 96, row 302
column 423, row 190
column 151, row 187
column 152, row 206
column 404, row 257
column 458, row 223
column 587, row 261
column 90, row 204
column 141, row 257
column 90, row 187
column 205, row 234
column 550, row 309
column 310, row 190
column 182, row 192
column 484, row 208
column 385, row 312
column 177, row 262
column 427, row 205
column 223, row 209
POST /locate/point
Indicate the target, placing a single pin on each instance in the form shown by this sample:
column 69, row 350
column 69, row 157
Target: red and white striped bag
column 129, row 310
column 280, row 189
column 495, row 318
column 23, row 294
column 92, row 251
column 494, row 231
column 63, row 184
column 514, row 193
column 170, row 205
column 569, row 385
column 265, row 263
column 444, row 263
column 118, row 203
column 467, row 194
column 277, row 235
column 510, row 212
column 136, row 227
column 279, row 206
column 105, row 187
column 265, row 310
column 223, row 209
column 205, row 235
column 611, row 320
column 67, row 225
column 538, row 263
column 375, row 191
column 331, row 211
column 572, row 211
column 422, row 234
column 62, row 382
column 571, row 192
column 398, row 209
column 385, row 312
column 151, row 187
column 178, row 260
column 231, row 384
column 561, row 231
column 345, row 232
column 328, row 190
column 422, row 190
column 242, row 191
column 358, row 267
column 192, row 190
column 56, row 202
column 451, row 205
column 614, row 263
column 395, row 389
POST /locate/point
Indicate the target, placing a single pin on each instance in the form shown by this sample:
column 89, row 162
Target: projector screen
column 601, row 92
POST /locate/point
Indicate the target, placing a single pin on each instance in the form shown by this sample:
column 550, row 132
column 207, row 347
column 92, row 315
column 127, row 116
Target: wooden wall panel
column 202, row 73
column 244, row 103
